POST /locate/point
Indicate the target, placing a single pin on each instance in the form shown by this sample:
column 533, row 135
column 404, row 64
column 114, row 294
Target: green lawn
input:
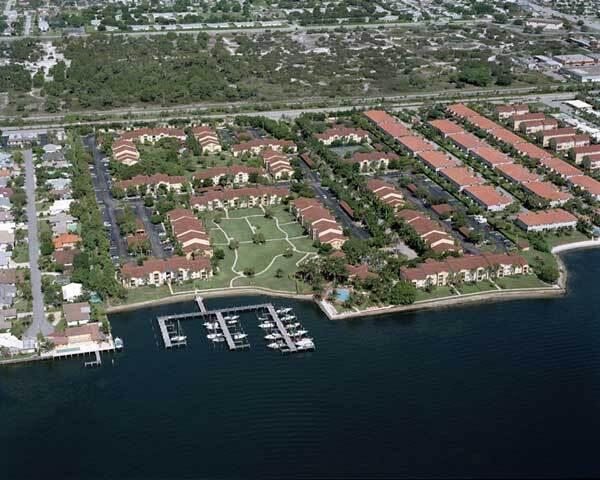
column 484, row 286
column 259, row 256
column 534, row 256
column 571, row 237
column 304, row 244
column 521, row 281
column 217, row 236
column 237, row 228
column 245, row 212
column 437, row 292
column 269, row 280
column 21, row 253
column 293, row 229
column 145, row 294
column 267, row 227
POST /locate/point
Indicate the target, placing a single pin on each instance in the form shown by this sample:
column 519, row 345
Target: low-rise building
column 239, row 198
column 343, row 134
column 437, row 160
column 157, row 272
column 578, row 154
column 461, row 177
column 76, row 314
column 386, row 193
column 566, row 143
column 257, row 145
column 153, row 135
column 592, row 162
column 88, row 333
column 415, row 145
column 433, row 233
column 372, row 160
column 462, row 111
column 484, row 123
column 72, row 291
column 66, row 241
column 586, row 184
column 277, row 164
column 544, row 23
column 491, row 157
column 207, row 138
column 511, row 109
column 319, row 222
column 532, row 151
column 488, row 197
column 518, row 120
column 446, row 127
column 237, row 174
column 467, row 141
column 516, row 173
column 548, row 192
column 538, row 126
column 154, row 182
column 190, row 233
column 470, row 268
column 546, row 135
column 126, row 152
column 546, row 220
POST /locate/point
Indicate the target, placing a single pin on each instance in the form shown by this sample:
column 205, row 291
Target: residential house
column 488, row 197
column 239, row 198
column 386, row 193
column 277, row 164
column 66, row 241
column 256, row 146
column 76, row 314
column 319, row 222
column 546, row 220
column 343, row 134
column 372, row 160
column 207, row 138
column 72, row 291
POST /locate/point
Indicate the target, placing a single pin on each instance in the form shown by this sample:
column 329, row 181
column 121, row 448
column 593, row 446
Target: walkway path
column 39, row 323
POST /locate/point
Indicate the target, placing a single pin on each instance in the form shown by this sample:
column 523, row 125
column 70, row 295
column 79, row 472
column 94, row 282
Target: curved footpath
column 444, row 302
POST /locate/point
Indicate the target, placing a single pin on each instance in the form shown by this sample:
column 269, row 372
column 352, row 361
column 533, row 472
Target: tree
column 233, row 244
column 403, row 293
column 279, row 273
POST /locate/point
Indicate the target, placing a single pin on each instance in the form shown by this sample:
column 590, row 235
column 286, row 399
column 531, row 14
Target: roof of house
column 518, row 173
column 65, row 239
column 586, row 183
column 506, row 136
column 547, row 191
column 76, row 312
column 395, row 130
column 233, row 193
column 546, row 217
column 415, row 144
column 446, row 126
column 492, row 156
column 461, row 110
column 467, row 140
column 560, row 166
column 488, row 195
column 438, row 159
column 483, row 123
column 379, row 116
column 589, row 149
column 341, row 131
column 532, row 151
column 132, row 270
column 462, row 176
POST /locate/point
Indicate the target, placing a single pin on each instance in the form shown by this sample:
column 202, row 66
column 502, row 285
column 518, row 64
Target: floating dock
column 94, row 363
column 221, row 315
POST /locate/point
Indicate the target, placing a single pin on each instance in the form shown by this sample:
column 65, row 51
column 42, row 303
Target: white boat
column 301, row 332
column 231, row 322
column 218, row 340
column 288, row 318
column 272, row 336
column 293, row 325
column 211, row 325
column 266, row 325
column 118, row 343
column 274, row 345
column 262, row 318
column 239, row 336
column 305, row 343
column 283, row 310
column 212, row 336
column 231, row 317
column 178, row 338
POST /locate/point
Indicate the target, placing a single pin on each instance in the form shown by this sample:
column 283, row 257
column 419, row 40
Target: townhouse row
column 157, row 272
column 189, row 233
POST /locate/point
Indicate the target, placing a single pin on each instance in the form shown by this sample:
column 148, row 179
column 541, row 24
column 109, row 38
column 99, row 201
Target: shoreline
column 446, row 302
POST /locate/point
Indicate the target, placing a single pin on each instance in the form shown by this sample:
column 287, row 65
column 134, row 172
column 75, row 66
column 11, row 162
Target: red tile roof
column 446, row 126
column 546, row 217
column 488, row 195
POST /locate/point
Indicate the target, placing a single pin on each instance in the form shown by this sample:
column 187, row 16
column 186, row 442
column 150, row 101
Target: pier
column 229, row 334
column 94, row 363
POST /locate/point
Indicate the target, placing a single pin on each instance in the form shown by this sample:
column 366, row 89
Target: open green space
column 478, row 287
column 269, row 279
column 304, row 244
column 569, row 237
column 259, row 257
column 218, row 237
column 20, row 253
column 292, row 229
column 237, row 228
column 146, row 294
column 267, row 227
column 437, row 292
column 245, row 212
column 521, row 281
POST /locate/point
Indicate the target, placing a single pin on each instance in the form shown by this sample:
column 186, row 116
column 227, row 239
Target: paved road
column 39, row 323
column 289, row 28
column 549, row 12
column 105, row 199
column 141, row 212
column 293, row 107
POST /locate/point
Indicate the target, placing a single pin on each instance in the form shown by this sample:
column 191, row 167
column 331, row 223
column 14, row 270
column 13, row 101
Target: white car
column 480, row 219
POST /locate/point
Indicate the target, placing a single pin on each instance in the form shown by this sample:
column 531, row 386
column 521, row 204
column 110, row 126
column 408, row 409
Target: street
column 101, row 183
column 141, row 212
column 39, row 323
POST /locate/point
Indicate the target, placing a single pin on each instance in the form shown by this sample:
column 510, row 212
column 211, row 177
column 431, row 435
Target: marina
column 224, row 326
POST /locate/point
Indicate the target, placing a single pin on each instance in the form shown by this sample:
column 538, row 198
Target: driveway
column 39, row 323
column 141, row 212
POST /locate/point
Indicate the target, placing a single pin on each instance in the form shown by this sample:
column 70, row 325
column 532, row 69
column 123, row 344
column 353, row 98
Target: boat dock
column 230, row 333
column 291, row 346
column 94, row 363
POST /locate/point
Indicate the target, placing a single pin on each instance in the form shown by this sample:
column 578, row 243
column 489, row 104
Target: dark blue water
column 505, row 389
